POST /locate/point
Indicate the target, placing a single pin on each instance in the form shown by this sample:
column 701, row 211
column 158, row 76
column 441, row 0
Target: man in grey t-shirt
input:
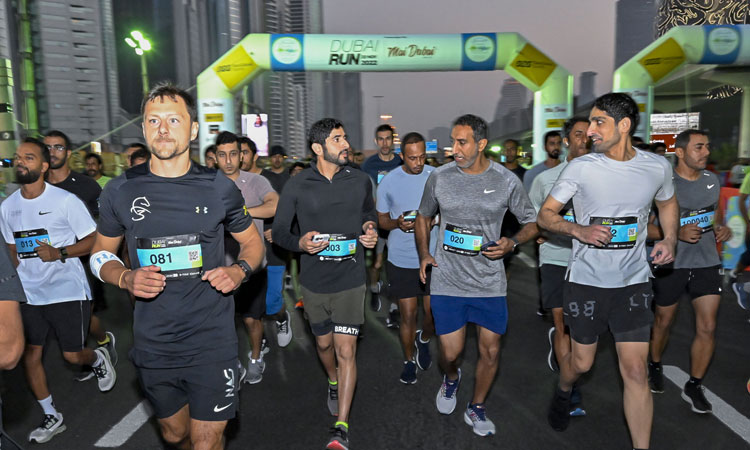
column 468, row 282
column 607, row 283
column 696, row 269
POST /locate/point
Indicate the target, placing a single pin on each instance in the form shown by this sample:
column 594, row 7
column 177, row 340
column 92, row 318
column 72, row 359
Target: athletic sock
column 695, row 381
column 105, row 341
column 333, row 384
column 344, row 424
column 48, row 406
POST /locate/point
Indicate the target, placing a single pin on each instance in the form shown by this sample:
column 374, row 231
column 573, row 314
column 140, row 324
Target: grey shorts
column 339, row 312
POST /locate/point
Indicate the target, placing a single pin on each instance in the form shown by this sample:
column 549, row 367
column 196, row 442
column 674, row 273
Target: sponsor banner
column 533, row 64
column 287, row 52
column 663, row 59
column 734, row 247
column 479, row 51
column 214, row 116
column 234, row 67
column 722, row 44
column 554, row 116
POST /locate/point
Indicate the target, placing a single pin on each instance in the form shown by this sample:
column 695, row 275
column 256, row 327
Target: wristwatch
column 63, row 254
column 245, row 268
column 515, row 244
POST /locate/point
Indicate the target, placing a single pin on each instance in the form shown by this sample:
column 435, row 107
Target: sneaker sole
column 48, row 438
column 551, row 353
column 737, row 294
column 116, row 357
column 468, row 421
column 336, row 446
column 654, row 391
column 455, row 393
column 692, row 405
column 249, row 381
column 407, row 382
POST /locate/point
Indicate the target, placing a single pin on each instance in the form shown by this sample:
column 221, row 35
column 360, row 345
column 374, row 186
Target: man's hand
column 405, row 225
column 663, row 253
column 46, row 252
column 225, row 279
column 308, row 246
column 370, row 238
column 502, row 247
column 145, row 282
column 427, row 261
column 598, row 235
column 267, row 235
column 722, row 233
column 690, row 233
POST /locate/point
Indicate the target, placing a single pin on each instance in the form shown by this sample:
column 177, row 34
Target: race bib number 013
column 462, row 241
column 177, row 256
column 26, row 242
column 624, row 231
column 341, row 247
column 704, row 218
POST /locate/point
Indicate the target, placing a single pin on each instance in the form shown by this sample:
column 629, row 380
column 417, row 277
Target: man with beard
column 696, row 269
column 334, row 207
column 249, row 155
column 47, row 229
column 173, row 214
column 607, row 284
column 553, row 146
column 510, row 151
column 88, row 190
column 94, row 167
column 468, row 285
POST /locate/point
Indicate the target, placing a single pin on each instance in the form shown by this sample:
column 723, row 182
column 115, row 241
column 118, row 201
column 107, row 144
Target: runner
column 554, row 252
column 398, row 199
column 696, row 269
column 173, row 214
column 607, row 283
column 468, row 284
column 249, row 155
column 47, row 229
column 334, row 207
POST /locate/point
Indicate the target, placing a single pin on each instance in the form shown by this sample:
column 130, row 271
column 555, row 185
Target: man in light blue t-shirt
column 399, row 194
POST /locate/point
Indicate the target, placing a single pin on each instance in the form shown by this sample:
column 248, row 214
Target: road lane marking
column 125, row 428
column 528, row 260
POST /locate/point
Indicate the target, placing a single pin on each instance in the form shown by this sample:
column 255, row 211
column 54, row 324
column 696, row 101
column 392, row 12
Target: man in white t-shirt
column 47, row 229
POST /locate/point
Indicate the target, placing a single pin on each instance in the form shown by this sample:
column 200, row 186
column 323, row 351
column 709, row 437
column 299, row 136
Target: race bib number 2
column 624, row 231
column 177, row 256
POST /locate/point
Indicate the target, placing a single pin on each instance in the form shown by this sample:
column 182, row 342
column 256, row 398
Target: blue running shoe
column 409, row 374
column 743, row 298
column 424, row 360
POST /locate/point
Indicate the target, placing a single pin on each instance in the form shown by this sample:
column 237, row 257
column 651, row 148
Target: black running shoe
column 655, row 378
column 559, row 411
column 339, row 440
column 693, row 394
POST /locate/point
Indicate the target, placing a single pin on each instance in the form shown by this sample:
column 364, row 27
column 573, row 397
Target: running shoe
column 391, row 320
column 264, row 348
column 424, row 360
column 693, row 394
column 748, row 385
column 655, row 378
column 743, row 298
column 340, row 438
column 476, row 417
column 409, row 374
column 104, row 372
column 300, row 305
column 255, row 369
column 576, row 403
column 242, row 372
column 288, row 282
column 50, row 426
column 110, row 346
column 85, row 374
column 284, row 330
column 333, row 400
column 551, row 357
column 559, row 411
column 446, row 396
column 541, row 312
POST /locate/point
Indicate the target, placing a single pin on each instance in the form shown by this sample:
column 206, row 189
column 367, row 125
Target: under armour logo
column 139, row 208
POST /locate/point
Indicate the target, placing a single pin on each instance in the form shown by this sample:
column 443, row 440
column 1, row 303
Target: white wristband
column 100, row 258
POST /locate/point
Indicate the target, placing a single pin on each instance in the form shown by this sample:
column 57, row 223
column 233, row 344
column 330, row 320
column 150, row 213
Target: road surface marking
column 125, row 428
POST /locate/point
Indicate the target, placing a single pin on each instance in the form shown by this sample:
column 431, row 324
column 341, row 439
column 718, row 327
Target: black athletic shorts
column 553, row 280
column 69, row 320
column 626, row 311
column 210, row 390
column 670, row 284
column 250, row 297
column 340, row 312
column 405, row 283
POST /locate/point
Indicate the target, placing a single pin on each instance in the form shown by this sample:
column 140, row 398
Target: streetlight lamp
column 141, row 45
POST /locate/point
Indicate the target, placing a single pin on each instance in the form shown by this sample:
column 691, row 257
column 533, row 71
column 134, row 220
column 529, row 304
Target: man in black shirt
column 334, row 207
column 510, row 152
column 173, row 215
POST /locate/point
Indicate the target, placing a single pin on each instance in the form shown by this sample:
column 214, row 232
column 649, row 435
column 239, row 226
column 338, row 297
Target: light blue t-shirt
column 400, row 193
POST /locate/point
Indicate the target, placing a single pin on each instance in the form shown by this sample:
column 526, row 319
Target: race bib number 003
column 341, row 247
column 26, row 242
column 178, row 256
column 624, row 231
column 703, row 217
column 462, row 241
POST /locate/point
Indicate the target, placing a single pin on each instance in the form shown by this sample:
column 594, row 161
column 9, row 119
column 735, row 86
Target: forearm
column 11, row 334
column 264, row 211
column 252, row 253
column 80, row 248
column 422, row 235
column 554, row 223
column 528, row 231
column 669, row 219
column 386, row 223
column 283, row 237
column 654, row 233
column 111, row 272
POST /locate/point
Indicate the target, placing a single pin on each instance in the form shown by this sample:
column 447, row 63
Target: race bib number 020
column 178, row 256
column 624, row 231
column 462, row 241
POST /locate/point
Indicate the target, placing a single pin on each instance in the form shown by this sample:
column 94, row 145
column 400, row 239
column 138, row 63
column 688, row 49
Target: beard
column 554, row 154
column 336, row 159
column 27, row 178
column 167, row 153
column 602, row 147
column 56, row 165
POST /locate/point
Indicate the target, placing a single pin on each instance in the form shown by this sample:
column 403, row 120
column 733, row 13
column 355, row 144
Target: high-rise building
column 343, row 101
column 510, row 112
column 586, row 88
column 635, row 28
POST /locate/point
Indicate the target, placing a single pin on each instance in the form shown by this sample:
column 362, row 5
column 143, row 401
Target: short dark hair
column 515, row 141
column 136, row 145
column 320, row 130
column 210, row 149
column 643, row 146
column 570, row 123
column 60, row 134
column 227, row 137
column 550, row 134
column 411, row 138
column 383, row 127
column 619, row 106
column 140, row 153
column 95, row 156
column 477, row 124
column 167, row 89
column 655, row 145
column 247, row 141
column 683, row 139
column 42, row 148
column 297, row 164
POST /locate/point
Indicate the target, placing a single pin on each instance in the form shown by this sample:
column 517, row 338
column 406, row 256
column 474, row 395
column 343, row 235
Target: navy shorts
column 452, row 313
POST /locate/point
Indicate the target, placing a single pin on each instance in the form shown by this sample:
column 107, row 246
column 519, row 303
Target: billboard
column 255, row 126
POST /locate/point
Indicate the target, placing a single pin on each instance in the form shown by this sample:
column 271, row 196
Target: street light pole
column 141, row 45
column 144, row 74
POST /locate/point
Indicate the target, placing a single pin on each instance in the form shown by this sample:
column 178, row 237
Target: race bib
column 26, row 242
column 461, row 240
column 703, row 217
column 341, row 247
column 624, row 231
column 177, row 256
column 410, row 216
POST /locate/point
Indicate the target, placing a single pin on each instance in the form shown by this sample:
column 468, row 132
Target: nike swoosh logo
column 43, row 213
column 489, row 192
column 217, row 409
column 710, row 185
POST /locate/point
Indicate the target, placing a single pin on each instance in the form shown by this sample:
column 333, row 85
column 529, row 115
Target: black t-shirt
column 376, row 168
column 10, row 284
column 189, row 322
column 277, row 180
column 519, row 171
column 339, row 206
column 85, row 188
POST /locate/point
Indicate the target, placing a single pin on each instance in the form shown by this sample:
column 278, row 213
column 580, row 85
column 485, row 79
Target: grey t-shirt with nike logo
column 698, row 201
column 471, row 209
